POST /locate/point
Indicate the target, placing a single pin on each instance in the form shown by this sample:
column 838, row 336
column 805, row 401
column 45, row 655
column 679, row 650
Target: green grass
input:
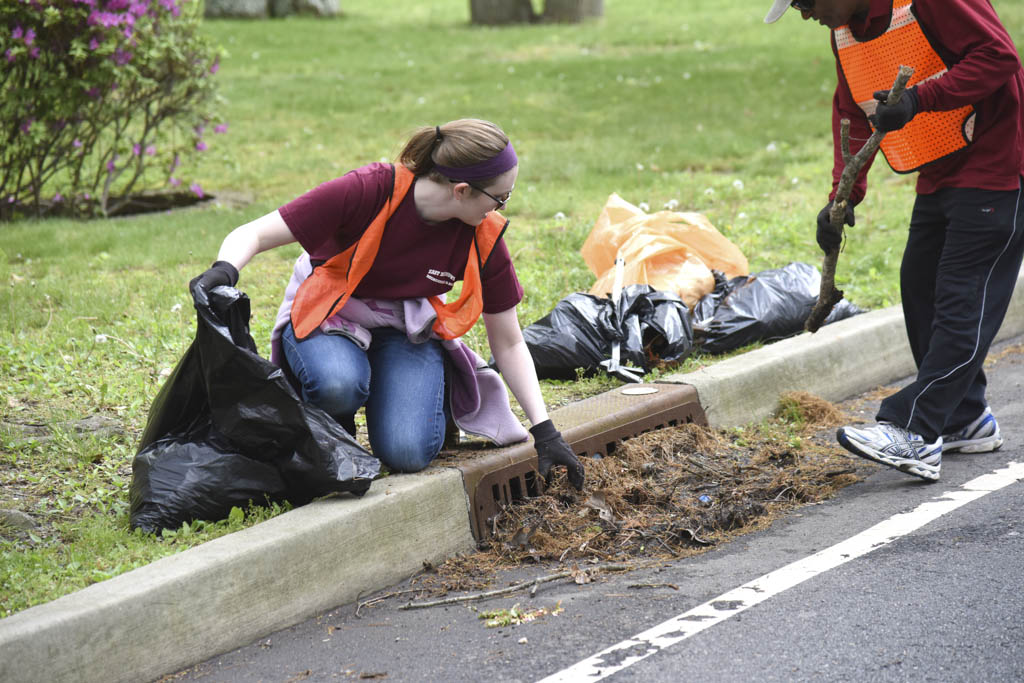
column 657, row 101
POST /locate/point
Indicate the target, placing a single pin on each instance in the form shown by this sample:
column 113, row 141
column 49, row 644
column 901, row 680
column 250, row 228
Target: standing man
column 960, row 124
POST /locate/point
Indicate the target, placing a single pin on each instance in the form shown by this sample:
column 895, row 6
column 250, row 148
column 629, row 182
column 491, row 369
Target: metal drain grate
column 497, row 479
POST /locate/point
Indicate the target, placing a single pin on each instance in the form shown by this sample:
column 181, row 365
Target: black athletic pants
column 959, row 269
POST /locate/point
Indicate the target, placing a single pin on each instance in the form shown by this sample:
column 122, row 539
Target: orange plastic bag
column 672, row 251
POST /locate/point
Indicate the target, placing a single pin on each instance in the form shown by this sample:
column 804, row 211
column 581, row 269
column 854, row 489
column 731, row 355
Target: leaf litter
column 515, row 615
column 663, row 495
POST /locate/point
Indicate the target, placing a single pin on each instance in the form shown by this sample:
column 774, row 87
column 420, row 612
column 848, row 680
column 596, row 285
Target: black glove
column 893, row 117
column 220, row 273
column 826, row 236
column 553, row 450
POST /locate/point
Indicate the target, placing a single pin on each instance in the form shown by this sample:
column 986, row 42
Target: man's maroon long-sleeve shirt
column 984, row 70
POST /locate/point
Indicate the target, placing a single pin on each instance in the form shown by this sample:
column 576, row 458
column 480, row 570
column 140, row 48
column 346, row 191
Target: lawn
column 657, row 101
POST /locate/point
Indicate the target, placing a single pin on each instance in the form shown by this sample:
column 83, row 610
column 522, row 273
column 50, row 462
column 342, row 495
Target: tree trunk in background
column 244, row 9
column 493, row 12
column 572, row 11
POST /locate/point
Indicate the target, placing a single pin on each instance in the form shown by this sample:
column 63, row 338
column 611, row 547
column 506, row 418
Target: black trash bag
column 766, row 306
column 227, row 429
column 579, row 331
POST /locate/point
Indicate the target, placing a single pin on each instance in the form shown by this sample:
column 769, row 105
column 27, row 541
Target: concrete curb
column 226, row 593
column 210, row 599
column 838, row 361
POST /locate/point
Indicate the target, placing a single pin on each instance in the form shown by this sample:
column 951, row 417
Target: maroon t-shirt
column 984, row 71
column 416, row 258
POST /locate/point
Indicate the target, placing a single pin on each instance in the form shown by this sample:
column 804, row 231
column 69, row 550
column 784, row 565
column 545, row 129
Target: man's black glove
column 827, row 238
column 893, row 117
column 220, row 273
column 553, row 450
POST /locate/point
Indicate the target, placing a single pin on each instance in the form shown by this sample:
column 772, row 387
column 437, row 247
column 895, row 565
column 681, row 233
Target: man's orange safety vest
column 330, row 285
column 872, row 65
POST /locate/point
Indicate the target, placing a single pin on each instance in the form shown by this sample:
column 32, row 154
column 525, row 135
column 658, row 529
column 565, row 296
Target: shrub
column 100, row 99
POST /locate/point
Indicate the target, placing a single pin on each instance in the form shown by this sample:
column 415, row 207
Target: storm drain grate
column 592, row 427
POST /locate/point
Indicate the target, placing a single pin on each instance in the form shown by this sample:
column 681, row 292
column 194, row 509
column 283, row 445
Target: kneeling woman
column 364, row 320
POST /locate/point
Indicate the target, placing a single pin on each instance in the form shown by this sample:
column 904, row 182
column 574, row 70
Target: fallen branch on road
column 382, row 598
column 532, row 584
column 653, row 585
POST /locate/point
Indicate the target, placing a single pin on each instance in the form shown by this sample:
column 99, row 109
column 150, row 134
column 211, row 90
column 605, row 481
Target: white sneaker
column 981, row 436
column 895, row 447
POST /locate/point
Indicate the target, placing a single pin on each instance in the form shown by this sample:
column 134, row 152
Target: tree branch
column 517, row 587
column 829, row 296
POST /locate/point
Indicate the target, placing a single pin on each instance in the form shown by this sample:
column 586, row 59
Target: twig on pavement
column 517, row 587
column 386, row 596
column 653, row 585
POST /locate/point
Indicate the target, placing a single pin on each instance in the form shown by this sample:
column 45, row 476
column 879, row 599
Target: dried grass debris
column 667, row 494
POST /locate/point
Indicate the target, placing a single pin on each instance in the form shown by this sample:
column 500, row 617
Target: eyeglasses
column 500, row 201
column 802, row 5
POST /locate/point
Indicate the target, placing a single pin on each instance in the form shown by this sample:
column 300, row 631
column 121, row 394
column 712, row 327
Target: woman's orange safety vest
column 330, row 285
column 872, row 65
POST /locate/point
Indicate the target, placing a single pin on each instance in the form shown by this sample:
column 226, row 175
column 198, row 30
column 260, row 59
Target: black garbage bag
column 579, row 332
column 227, row 429
column 766, row 306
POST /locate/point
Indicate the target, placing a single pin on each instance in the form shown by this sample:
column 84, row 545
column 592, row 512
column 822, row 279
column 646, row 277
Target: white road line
column 678, row 628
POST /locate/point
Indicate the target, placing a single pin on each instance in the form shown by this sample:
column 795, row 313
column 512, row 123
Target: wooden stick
column 829, row 296
column 653, row 585
column 516, row 587
column 381, row 598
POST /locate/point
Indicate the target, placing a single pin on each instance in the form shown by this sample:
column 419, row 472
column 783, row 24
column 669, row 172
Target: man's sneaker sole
column 920, row 469
column 906, row 465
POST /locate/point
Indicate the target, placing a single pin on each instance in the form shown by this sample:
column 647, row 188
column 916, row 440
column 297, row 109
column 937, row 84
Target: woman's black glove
column 893, row 117
column 553, row 450
column 828, row 239
column 220, row 273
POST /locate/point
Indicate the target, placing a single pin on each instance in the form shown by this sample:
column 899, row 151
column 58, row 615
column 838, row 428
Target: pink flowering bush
column 100, row 100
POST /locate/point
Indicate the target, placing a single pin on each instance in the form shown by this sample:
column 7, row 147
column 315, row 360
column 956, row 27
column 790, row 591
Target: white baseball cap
column 779, row 8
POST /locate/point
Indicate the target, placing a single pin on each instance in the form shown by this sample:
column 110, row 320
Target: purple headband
column 483, row 170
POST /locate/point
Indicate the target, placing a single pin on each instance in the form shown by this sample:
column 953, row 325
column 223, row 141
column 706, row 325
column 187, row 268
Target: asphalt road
column 939, row 601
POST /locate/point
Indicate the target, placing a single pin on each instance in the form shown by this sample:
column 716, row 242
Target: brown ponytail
column 462, row 143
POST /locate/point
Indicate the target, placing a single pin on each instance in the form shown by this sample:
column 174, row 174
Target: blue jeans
column 400, row 383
